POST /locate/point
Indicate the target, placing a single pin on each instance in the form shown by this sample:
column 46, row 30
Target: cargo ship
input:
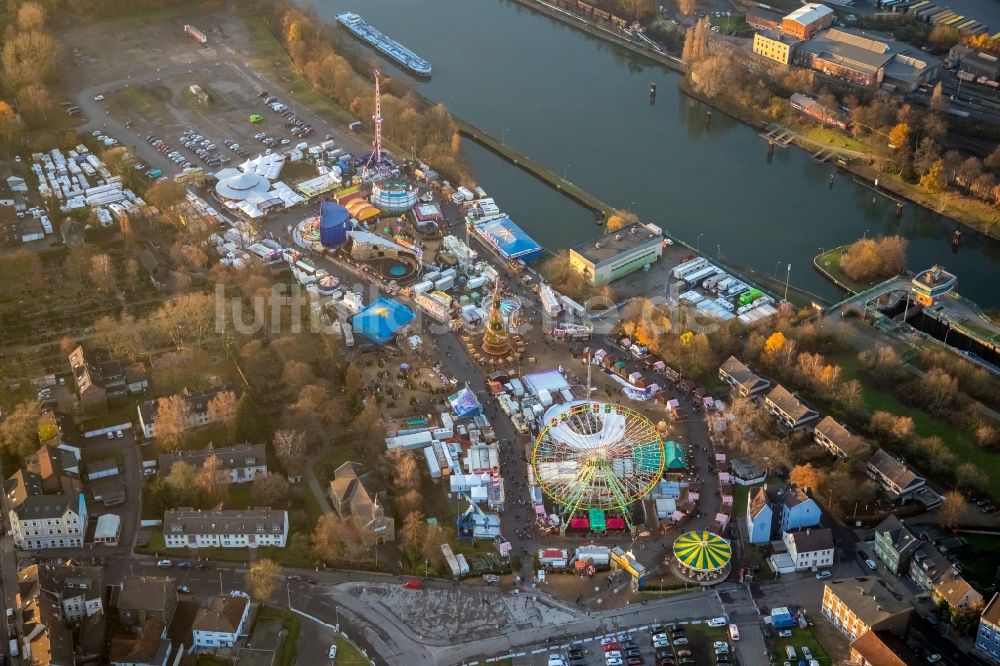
column 384, row 45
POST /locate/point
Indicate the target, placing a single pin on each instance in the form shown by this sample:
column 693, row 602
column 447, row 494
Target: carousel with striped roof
column 701, row 557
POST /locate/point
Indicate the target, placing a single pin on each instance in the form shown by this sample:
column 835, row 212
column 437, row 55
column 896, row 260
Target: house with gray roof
column 838, row 440
column 791, row 412
column 238, row 464
column 243, row 528
column 897, row 479
column 741, row 378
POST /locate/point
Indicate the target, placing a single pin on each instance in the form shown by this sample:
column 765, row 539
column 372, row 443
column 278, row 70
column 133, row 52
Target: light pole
column 566, row 166
column 697, row 243
column 776, row 264
column 788, row 274
column 503, row 136
column 865, row 235
column 718, row 251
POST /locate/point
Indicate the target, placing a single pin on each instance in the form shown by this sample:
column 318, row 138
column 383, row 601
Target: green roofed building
column 675, row 455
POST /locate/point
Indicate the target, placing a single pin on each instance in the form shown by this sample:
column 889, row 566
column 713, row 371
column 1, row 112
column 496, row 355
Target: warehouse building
column 867, row 60
column 807, row 20
column 619, row 253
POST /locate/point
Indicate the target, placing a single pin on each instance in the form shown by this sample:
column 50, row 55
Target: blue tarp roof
column 333, row 224
column 510, row 239
column 464, row 403
column 380, row 320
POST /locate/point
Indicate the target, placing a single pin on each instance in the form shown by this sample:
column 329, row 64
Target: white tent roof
column 242, row 186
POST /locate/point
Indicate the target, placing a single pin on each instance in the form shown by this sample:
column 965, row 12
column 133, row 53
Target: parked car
column 332, row 652
column 871, row 564
column 823, row 574
column 785, row 633
column 717, row 622
column 164, row 564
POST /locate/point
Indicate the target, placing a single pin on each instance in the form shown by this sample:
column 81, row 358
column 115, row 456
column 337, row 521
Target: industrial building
column 618, row 253
column 807, row 20
column 975, row 62
column 775, row 46
column 866, row 60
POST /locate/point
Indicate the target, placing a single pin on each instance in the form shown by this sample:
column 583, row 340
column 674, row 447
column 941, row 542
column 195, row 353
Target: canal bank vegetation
column 904, row 147
column 868, row 259
column 411, row 123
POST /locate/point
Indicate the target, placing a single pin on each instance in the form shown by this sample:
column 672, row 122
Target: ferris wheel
column 596, row 455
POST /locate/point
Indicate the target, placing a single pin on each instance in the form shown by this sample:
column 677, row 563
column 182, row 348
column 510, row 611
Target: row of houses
column 62, row 611
column 897, row 479
column 903, row 552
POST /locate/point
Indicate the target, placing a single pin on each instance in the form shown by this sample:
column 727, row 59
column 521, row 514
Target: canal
column 581, row 106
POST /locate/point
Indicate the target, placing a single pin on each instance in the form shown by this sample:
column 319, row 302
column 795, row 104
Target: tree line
column 29, row 61
column 410, row 121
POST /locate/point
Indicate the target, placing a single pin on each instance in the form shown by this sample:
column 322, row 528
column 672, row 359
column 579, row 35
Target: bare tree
column 289, row 447
column 171, row 421
column 270, row 490
column 222, row 409
column 951, row 509
column 411, row 535
column 102, row 272
column 434, row 538
column 405, row 472
column 182, row 482
column 263, row 578
column 19, row 430
column 337, row 539
column 31, row 16
column 213, row 480
column 165, row 194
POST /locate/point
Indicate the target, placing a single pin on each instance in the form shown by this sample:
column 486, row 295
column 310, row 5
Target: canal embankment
column 963, row 210
column 534, row 167
column 607, row 33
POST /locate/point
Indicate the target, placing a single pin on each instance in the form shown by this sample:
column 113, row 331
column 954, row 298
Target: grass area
column 979, row 560
column 740, row 494
column 835, row 138
column 239, row 496
column 292, row 624
column 133, row 100
column 302, row 498
column 348, row 653
column 800, row 638
column 829, row 262
column 729, row 24
column 924, row 424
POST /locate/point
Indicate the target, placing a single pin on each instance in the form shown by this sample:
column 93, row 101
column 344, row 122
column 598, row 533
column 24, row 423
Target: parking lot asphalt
column 149, row 89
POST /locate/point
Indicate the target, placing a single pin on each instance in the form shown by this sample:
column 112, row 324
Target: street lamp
column 503, row 136
column 776, row 264
column 718, row 251
column 788, row 274
column 697, row 243
column 566, row 166
column 865, row 235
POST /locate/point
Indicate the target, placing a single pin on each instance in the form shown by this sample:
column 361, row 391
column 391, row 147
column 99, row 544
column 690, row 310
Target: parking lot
column 683, row 643
column 178, row 104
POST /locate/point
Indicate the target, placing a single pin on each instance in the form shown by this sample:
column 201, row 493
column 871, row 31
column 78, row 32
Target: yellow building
column 774, row 46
